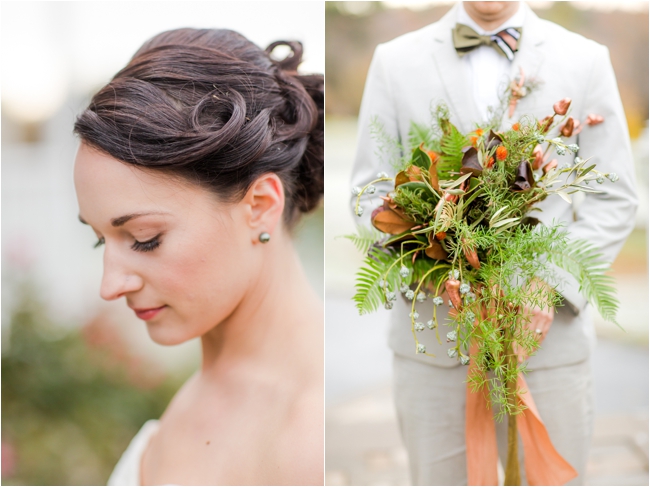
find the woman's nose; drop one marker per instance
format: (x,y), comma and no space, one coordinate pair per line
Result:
(118,278)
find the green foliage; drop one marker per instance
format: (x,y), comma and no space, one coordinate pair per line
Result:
(364,238)
(369,295)
(69,410)
(419,203)
(479,226)
(419,134)
(388,147)
(451,145)
(583,262)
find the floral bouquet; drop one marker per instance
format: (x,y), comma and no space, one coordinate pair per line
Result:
(459,228)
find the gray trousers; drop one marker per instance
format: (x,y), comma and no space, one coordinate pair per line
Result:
(430,403)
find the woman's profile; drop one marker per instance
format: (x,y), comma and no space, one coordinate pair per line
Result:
(195,162)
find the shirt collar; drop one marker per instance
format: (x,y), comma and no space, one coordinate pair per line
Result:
(517,20)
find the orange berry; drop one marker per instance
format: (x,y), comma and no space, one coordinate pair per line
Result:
(473,140)
(502,153)
(490,163)
(433,156)
(515,127)
(478,132)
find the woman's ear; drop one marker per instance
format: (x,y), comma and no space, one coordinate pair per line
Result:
(265,201)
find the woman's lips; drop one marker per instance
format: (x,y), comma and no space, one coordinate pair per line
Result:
(148,314)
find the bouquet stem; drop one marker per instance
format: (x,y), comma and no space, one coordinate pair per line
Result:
(512,473)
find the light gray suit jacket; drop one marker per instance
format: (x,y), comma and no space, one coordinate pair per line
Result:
(414,72)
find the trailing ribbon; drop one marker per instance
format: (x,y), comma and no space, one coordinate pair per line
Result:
(544,465)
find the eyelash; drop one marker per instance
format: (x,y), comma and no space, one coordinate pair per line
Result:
(147,246)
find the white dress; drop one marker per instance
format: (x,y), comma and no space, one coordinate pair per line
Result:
(127,470)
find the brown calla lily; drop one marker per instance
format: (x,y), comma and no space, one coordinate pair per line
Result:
(471,255)
(390,221)
(539,157)
(550,165)
(472,258)
(435,250)
(524,179)
(470,162)
(567,128)
(494,140)
(452,286)
(530,220)
(577,127)
(545,123)
(562,106)
(594,119)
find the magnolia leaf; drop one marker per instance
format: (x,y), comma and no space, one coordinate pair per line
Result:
(420,158)
(401,178)
(435,250)
(433,173)
(388,221)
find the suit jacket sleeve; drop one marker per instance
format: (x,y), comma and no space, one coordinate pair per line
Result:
(605,219)
(373,153)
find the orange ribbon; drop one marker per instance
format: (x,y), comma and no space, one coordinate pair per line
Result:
(544,465)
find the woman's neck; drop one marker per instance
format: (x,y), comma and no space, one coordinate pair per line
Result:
(278,325)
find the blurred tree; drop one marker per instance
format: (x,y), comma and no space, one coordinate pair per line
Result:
(71,400)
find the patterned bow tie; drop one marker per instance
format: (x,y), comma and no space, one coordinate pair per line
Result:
(505,42)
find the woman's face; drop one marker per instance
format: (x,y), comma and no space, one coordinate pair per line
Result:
(181,258)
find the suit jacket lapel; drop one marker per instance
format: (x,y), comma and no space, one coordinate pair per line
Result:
(529,57)
(453,74)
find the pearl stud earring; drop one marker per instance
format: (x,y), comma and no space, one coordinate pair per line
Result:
(264,237)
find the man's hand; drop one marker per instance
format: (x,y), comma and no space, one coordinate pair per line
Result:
(540,317)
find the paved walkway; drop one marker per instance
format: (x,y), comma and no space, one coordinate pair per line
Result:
(363,445)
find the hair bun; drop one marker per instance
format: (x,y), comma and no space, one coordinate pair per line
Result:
(293,60)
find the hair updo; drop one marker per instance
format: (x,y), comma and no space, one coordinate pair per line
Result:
(212,107)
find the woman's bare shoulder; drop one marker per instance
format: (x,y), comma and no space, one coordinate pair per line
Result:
(303,445)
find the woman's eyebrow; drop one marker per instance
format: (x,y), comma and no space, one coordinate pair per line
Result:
(118,222)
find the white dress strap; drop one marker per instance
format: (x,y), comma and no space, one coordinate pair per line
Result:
(127,470)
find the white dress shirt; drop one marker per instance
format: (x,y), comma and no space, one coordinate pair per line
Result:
(488,70)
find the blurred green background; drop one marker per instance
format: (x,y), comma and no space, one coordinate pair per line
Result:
(81,376)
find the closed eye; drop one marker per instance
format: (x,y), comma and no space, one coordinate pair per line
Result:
(147,246)
(99,243)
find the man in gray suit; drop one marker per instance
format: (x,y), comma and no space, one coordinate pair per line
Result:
(417,70)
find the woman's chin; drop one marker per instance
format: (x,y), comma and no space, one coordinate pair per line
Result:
(165,335)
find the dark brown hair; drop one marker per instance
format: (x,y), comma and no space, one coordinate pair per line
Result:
(212,107)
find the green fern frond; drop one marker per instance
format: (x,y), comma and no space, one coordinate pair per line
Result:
(580,259)
(369,295)
(364,238)
(420,133)
(451,157)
